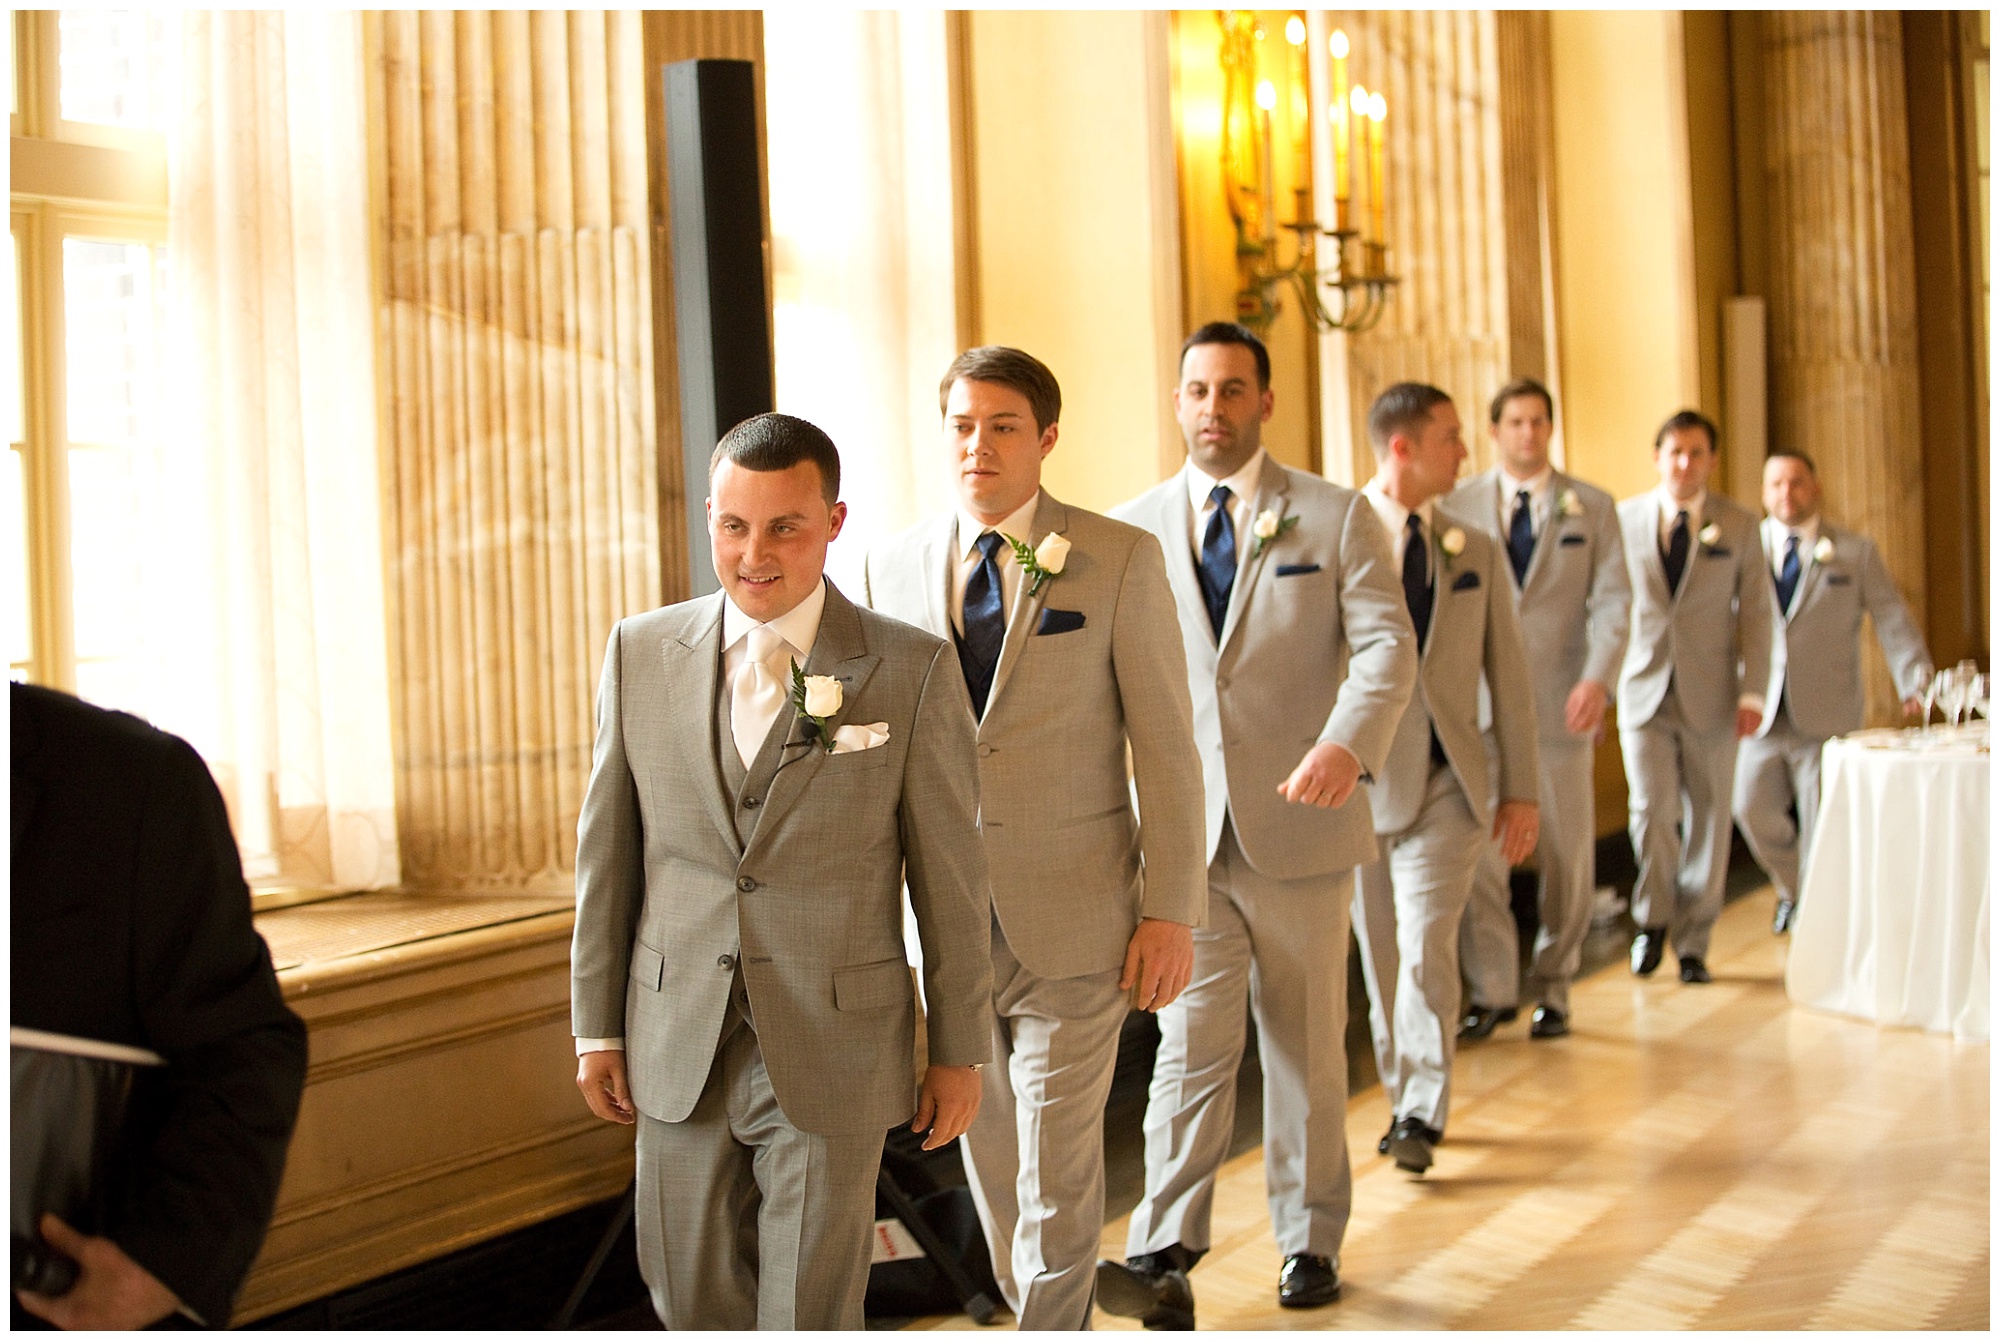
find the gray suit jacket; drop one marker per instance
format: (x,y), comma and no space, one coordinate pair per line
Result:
(1576,602)
(1473,633)
(1817,666)
(670,903)
(1316,647)
(1090,666)
(1709,639)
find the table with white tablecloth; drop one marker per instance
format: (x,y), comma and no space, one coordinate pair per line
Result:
(1892,923)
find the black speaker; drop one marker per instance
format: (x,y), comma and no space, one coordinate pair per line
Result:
(721,326)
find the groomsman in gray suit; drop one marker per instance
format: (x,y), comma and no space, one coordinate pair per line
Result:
(1064,627)
(739,985)
(1825,578)
(1567,571)
(1691,687)
(1300,661)
(1435,801)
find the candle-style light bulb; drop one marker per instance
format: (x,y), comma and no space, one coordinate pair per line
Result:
(1336,45)
(1359,101)
(1378,108)
(1336,115)
(1295,31)
(1267,96)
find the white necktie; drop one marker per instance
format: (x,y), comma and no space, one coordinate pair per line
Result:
(756,695)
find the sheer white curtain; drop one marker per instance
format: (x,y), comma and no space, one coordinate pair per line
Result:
(269,615)
(857,106)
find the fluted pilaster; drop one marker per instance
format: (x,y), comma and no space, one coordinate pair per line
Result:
(1843,313)
(522,495)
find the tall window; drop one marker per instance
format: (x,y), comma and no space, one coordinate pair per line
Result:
(91,93)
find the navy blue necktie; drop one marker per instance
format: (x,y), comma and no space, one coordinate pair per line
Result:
(1521,539)
(1676,555)
(1788,574)
(1218,559)
(1416,580)
(985,623)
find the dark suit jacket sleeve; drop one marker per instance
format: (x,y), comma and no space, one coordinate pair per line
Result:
(610,869)
(1150,662)
(944,866)
(1902,642)
(210,1129)
(1382,646)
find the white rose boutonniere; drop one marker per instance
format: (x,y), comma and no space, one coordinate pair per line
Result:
(816,697)
(1711,534)
(1041,563)
(1823,551)
(1451,543)
(1268,527)
(1569,504)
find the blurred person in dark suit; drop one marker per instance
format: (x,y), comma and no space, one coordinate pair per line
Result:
(131,927)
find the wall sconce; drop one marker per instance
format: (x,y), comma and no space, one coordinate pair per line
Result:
(1348,291)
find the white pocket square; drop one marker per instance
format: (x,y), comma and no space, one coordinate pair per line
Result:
(849,739)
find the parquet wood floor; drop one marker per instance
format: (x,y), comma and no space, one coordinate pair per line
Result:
(1690,1157)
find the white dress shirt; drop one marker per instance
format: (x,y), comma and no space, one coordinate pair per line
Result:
(1670,507)
(1242,497)
(798,629)
(1019,525)
(1395,520)
(1775,532)
(1537,486)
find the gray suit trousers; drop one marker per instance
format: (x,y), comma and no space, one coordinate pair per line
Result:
(1774,772)
(1566,852)
(745,1221)
(1280,945)
(1407,907)
(1680,781)
(1035,1153)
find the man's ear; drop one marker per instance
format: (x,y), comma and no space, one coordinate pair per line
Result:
(836,518)
(1049,439)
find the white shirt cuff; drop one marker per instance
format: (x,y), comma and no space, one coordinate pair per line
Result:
(1754,702)
(584,1045)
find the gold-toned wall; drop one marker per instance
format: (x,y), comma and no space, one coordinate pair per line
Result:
(1072,183)
(1624,238)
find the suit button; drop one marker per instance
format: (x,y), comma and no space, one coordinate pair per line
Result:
(1222,682)
(751,803)
(984,749)
(746,884)
(726,961)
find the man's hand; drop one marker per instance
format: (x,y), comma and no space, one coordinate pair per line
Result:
(1913,706)
(1747,722)
(1516,825)
(112,1293)
(947,1103)
(601,1077)
(1324,778)
(1583,712)
(1160,960)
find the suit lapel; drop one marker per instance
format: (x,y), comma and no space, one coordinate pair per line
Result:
(1809,567)
(841,651)
(1179,546)
(1050,517)
(934,561)
(1272,485)
(1551,535)
(694,657)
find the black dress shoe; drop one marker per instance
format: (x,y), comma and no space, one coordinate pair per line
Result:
(1693,970)
(1151,1287)
(1548,1023)
(1647,947)
(1307,1280)
(1431,1134)
(1481,1021)
(1410,1145)
(1781,921)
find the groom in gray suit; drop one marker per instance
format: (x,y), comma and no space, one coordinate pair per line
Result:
(1300,661)
(738,977)
(1691,687)
(1567,572)
(1064,627)
(1436,802)
(1824,578)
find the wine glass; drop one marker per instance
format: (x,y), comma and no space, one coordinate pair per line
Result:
(1933,695)
(1957,686)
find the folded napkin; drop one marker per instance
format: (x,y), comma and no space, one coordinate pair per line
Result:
(848,739)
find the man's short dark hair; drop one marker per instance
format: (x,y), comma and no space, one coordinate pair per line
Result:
(1232,333)
(1686,419)
(1792,453)
(1404,408)
(779,442)
(1514,390)
(1013,369)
